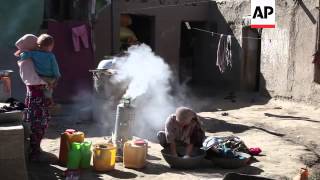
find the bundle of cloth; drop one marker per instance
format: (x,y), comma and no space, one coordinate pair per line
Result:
(14,105)
(226,147)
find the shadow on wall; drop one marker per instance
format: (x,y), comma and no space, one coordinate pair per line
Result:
(207,81)
(263,87)
(204,69)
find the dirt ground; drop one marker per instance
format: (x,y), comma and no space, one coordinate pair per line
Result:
(287,132)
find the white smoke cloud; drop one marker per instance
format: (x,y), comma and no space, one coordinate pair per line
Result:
(146,78)
(144,70)
(149,85)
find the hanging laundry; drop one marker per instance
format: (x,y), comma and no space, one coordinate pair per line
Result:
(73,65)
(80,32)
(224,54)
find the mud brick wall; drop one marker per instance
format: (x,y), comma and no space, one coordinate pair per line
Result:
(12,153)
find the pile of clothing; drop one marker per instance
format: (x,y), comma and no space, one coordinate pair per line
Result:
(226,147)
(14,105)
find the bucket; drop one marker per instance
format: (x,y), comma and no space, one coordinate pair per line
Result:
(104,157)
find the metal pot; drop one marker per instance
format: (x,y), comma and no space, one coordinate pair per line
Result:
(5,73)
(179,162)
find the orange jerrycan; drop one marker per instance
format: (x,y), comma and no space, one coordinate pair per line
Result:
(104,157)
(66,139)
(64,145)
(77,136)
(135,154)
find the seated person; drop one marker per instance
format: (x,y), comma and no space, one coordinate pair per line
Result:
(182,128)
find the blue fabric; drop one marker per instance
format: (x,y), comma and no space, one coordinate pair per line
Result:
(45,63)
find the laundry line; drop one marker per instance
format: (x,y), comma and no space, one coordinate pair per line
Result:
(187,24)
(218,34)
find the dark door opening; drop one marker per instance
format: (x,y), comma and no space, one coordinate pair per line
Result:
(250,76)
(193,61)
(144,28)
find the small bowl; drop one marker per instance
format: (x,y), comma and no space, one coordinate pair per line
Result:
(179,162)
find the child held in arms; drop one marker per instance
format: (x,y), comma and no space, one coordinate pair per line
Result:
(45,64)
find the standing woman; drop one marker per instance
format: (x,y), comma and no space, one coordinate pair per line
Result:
(36,115)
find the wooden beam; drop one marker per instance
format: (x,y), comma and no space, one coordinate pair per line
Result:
(115,26)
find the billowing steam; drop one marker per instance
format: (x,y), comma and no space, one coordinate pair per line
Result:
(146,79)
(149,86)
(144,69)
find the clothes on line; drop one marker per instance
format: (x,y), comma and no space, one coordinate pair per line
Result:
(224,54)
(72,63)
(80,32)
(219,34)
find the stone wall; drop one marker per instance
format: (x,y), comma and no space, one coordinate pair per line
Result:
(287,51)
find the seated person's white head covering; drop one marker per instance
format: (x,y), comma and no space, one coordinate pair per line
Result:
(185,115)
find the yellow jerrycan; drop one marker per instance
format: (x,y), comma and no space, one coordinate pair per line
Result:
(104,157)
(135,154)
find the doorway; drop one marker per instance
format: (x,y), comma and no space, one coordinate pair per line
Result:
(144,28)
(250,76)
(197,55)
